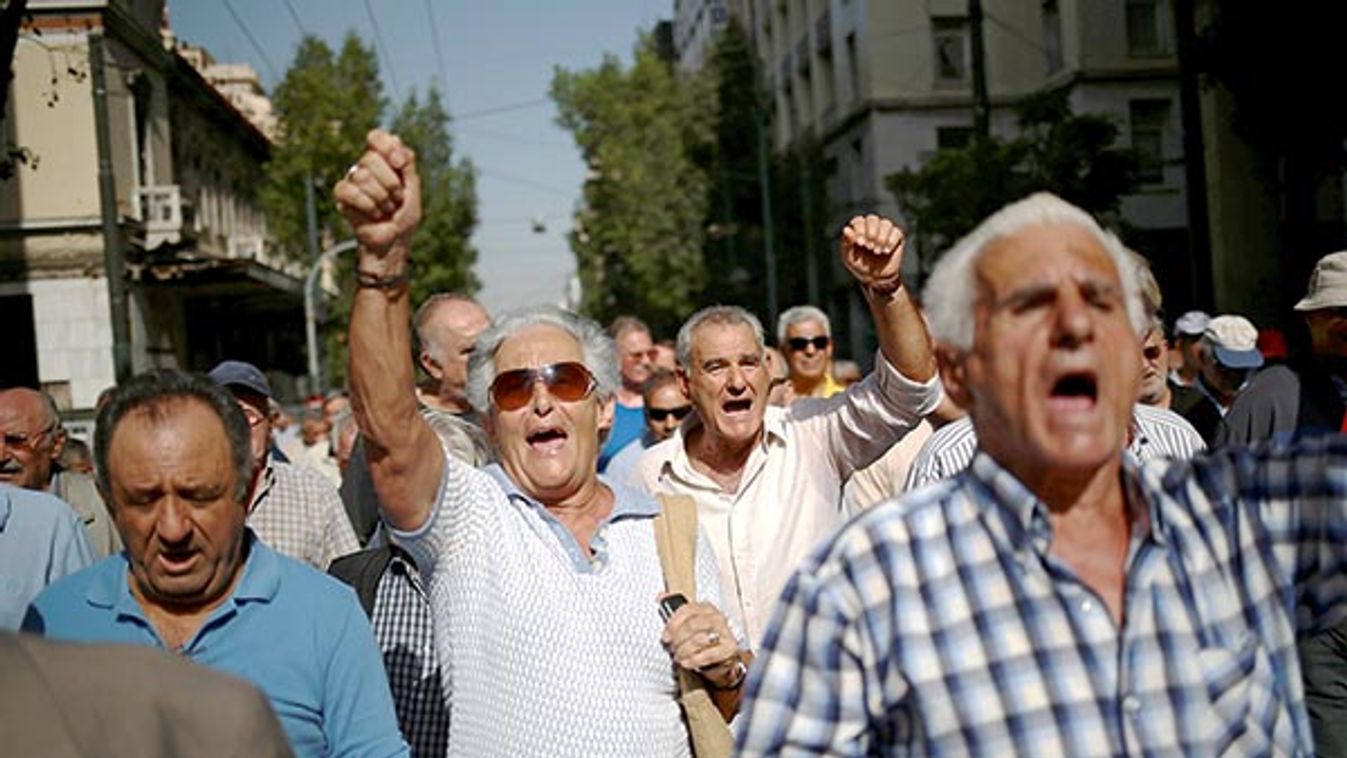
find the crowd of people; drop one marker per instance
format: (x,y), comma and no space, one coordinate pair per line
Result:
(1048,521)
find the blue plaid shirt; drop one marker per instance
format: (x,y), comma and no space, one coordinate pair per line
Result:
(940,624)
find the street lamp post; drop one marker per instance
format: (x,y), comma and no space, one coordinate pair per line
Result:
(310,309)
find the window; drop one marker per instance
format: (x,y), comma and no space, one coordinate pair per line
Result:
(1052,37)
(1147,27)
(1149,118)
(950,39)
(953,137)
(857,170)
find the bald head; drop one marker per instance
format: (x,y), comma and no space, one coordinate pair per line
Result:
(447,327)
(32,438)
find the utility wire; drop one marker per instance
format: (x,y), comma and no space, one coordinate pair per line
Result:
(379,42)
(298,24)
(1013,32)
(435,41)
(251,39)
(525,182)
(503,109)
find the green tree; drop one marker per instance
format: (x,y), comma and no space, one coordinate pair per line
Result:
(325,105)
(444,255)
(1057,151)
(646,135)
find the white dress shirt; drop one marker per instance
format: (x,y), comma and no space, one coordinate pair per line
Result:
(790,493)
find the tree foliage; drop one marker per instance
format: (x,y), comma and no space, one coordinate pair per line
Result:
(443,252)
(325,105)
(1057,151)
(646,137)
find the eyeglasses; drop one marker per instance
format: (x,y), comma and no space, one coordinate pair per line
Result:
(567,382)
(1152,353)
(29,441)
(800,343)
(660,414)
(254,416)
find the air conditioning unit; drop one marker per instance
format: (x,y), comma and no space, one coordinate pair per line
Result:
(161,214)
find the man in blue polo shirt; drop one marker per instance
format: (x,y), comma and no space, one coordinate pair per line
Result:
(173,462)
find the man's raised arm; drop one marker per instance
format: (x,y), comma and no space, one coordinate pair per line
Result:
(872,250)
(381,197)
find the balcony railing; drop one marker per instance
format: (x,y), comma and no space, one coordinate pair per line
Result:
(251,247)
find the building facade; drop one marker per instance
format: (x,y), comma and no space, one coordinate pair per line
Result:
(146,166)
(881,86)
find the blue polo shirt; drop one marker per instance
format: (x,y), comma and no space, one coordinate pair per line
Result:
(298,635)
(41,540)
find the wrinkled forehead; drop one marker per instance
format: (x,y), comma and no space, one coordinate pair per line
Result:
(724,340)
(537,345)
(1043,255)
(22,411)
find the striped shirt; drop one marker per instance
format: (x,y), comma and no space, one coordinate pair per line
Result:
(1156,434)
(940,624)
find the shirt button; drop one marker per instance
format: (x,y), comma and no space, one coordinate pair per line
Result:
(1086,606)
(1132,704)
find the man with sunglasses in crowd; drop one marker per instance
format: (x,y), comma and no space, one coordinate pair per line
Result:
(804,333)
(33,440)
(544,579)
(635,355)
(292,508)
(665,408)
(768,480)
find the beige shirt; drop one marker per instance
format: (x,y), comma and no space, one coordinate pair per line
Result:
(790,493)
(884,478)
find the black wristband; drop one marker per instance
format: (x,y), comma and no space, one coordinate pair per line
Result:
(367,280)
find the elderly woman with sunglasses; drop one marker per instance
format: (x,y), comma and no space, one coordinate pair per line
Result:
(544,579)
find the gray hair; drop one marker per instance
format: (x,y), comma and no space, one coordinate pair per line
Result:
(798,315)
(599,350)
(724,315)
(151,393)
(950,292)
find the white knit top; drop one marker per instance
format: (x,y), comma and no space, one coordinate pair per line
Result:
(546,653)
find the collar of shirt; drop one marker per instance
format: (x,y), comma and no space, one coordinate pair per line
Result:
(1023,518)
(260,582)
(628,503)
(264,484)
(678,464)
(5,507)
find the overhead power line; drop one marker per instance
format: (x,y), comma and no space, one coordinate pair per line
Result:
(526,182)
(298,24)
(383,51)
(503,109)
(251,40)
(435,42)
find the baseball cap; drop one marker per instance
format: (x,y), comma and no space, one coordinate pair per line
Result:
(1192,323)
(240,374)
(1234,340)
(1328,284)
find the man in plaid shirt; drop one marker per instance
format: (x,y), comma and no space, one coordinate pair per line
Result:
(1056,598)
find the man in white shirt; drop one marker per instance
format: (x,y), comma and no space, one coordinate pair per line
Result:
(768,480)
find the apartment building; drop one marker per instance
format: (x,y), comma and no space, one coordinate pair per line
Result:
(143,165)
(695,26)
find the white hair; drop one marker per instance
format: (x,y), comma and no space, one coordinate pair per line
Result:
(798,315)
(598,350)
(724,315)
(950,292)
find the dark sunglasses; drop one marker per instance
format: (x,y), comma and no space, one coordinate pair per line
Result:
(659,414)
(800,343)
(567,382)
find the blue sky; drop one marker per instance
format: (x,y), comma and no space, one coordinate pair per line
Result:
(496,53)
